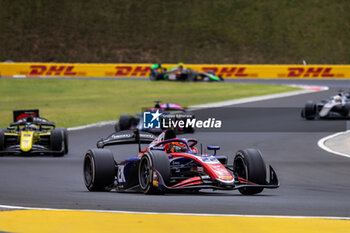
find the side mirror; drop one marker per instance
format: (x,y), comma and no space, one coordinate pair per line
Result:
(11,128)
(100,144)
(214,148)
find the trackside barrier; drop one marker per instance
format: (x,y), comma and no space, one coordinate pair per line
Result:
(142,70)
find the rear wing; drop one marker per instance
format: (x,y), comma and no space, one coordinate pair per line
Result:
(127,137)
(20,114)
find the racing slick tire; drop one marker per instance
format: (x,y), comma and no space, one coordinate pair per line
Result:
(206,79)
(125,122)
(189,130)
(159,161)
(56,142)
(116,127)
(309,110)
(2,139)
(99,169)
(155,75)
(65,139)
(192,76)
(347,109)
(250,165)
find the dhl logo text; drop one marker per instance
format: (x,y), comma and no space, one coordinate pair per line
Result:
(312,72)
(229,71)
(36,70)
(132,71)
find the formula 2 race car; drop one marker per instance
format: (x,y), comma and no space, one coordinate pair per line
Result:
(336,107)
(173,164)
(171,110)
(31,134)
(181,74)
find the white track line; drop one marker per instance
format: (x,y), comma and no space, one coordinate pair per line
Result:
(322,141)
(186,214)
(98,124)
(251,99)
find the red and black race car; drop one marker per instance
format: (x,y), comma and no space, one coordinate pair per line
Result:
(170,164)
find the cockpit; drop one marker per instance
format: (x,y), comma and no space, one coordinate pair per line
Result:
(168,140)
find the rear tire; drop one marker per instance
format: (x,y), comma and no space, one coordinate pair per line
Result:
(310,110)
(56,142)
(154,75)
(157,160)
(189,130)
(125,122)
(250,165)
(347,109)
(116,127)
(99,169)
(192,76)
(2,139)
(206,79)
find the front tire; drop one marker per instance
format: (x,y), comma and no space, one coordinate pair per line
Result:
(157,160)
(65,139)
(56,142)
(250,165)
(99,169)
(310,110)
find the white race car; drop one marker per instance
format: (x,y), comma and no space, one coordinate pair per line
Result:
(336,107)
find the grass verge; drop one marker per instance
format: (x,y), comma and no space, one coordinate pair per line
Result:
(78,102)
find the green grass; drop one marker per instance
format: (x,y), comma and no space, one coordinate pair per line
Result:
(78,102)
(198,31)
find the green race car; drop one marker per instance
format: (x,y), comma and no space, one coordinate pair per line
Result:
(179,73)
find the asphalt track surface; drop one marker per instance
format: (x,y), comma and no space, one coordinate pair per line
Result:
(313,182)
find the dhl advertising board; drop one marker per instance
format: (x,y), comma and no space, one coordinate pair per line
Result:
(142,70)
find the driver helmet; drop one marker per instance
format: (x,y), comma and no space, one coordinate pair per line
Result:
(31,127)
(156,66)
(180,65)
(337,99)
(176,147)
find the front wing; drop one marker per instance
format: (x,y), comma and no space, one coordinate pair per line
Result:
(36,149)
(206,182)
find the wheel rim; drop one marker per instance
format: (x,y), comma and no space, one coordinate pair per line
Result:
(241,168)
(144,173)
(88,171)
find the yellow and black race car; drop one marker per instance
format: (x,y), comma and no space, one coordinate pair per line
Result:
(31,134)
